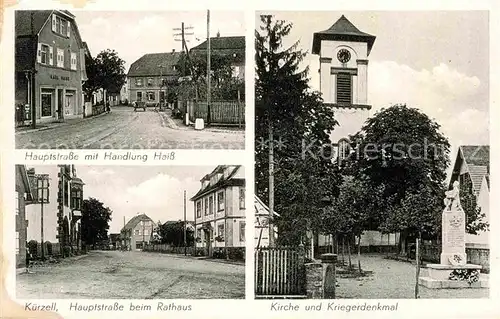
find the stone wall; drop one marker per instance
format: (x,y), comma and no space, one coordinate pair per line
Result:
(314,280)
(479,256)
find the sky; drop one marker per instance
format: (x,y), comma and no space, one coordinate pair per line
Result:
(156,191)
(435,61)
(135,33)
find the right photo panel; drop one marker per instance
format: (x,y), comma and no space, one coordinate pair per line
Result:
(372,158)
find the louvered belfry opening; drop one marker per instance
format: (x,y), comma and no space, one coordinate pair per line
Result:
(344,88)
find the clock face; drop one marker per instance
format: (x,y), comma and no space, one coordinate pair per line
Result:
(344,55)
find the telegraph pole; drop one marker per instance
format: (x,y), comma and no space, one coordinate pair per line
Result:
(271,184)
(185,226)
(33,71)
(208,68)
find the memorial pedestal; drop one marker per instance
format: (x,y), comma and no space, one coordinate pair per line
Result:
(438,277)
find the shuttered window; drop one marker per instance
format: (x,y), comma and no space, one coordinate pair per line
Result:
(344,88)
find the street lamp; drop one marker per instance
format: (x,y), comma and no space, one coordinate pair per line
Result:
(42,188)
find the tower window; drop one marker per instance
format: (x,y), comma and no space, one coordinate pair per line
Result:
(344,88)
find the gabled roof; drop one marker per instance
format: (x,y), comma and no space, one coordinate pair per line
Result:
(21,171)
(222,182)
(342,30)
(23,21)
(155,64)
(477,160)
(220,43)
(262,209)
(136,220)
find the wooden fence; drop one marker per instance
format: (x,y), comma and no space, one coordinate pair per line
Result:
(165,248)
(231,113)
(280,272)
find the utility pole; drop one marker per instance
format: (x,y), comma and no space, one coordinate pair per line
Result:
(143,237)
(42,182)
(208,68)
(33,72)
(185,226)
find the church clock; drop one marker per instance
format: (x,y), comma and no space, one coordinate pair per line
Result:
(344,55)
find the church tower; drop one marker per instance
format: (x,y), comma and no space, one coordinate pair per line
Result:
(343,55)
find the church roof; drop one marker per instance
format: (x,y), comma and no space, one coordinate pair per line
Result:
(342,30)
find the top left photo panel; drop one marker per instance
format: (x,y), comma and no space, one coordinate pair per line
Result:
(129,79)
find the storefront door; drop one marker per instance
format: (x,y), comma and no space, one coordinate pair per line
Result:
(69,105)
(46,103)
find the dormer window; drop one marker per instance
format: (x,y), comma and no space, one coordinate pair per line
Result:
(60,26)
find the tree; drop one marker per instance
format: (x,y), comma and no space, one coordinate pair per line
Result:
(402,150)
(110,68)
(300,125)
(91,85)
(95,221)
(172,233)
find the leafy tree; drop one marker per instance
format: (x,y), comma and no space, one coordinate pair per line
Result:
(301,124)
(402,150)
(95,221)
(110,71)
(475,218)
(172,233)
(91,85)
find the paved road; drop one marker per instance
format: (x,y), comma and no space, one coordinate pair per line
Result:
(133,275)
(125,129)
(393,279)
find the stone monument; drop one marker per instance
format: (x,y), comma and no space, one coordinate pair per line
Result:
(453,270)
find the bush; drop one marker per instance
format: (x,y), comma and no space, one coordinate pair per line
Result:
(236,253)
(33,248)
(66,251)
(48,246)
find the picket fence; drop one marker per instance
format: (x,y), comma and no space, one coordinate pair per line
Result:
(279,272)
(221,112)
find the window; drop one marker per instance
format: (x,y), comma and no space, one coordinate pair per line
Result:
(198,233)
(73,61)
(17,243)
(76,199)
(60,26)
(220,231)
(242,231)
(138,82)
(206,206)
(17,203)
(44,54)
(220,201)
(151,96)
(139,96)
(150,81)
(344,150)
(60,58)
(137,232)
(242,197)
(198,209)
(211,205)
(344,88)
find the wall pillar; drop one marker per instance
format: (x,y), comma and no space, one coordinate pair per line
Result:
(329,275)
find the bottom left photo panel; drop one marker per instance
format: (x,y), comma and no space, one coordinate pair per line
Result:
(130,232)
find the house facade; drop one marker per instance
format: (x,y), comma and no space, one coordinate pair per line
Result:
(23,197)
(151,78)
(219,210)
(472,170)
(62,213)
(51,59)
(138,232)
(261,226)
(233,47)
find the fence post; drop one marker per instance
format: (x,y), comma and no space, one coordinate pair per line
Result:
(329,275)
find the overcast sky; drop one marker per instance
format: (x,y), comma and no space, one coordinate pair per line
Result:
(135,33)
(436,61)
(156,191)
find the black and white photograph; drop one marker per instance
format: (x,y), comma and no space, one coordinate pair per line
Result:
(128,232)
(372,158)
(129,79)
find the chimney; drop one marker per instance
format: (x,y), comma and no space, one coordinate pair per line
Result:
(218,34)
(173,50)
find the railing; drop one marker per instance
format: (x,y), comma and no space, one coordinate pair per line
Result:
(279,271)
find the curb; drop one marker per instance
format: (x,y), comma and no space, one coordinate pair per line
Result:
(50,127)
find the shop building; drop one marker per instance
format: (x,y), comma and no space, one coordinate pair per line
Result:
(23,197)
(49,66)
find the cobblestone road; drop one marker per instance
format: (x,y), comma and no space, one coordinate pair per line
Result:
(393,279)
(125,129)
(133,275)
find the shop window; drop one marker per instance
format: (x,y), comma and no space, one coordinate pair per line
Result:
(198,209)
(151,96)
(220,201)
(139,96)
(242,231)
(46,102)
(242,197)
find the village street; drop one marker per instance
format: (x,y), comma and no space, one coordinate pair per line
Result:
(125,129)
(133,275)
